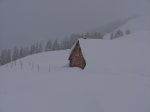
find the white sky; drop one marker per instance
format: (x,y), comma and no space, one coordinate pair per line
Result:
(24,21)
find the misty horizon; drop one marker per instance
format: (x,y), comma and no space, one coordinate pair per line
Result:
(24,22)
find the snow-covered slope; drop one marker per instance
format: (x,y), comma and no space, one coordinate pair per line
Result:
(140,23)
(137,24)
(43,83)
(129,54)
(42,62)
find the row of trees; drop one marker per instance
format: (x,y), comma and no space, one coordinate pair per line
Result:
(8,55)
(119,33)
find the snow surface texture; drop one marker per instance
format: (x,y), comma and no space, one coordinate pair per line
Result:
(129,54)
(134,25)
(44,83)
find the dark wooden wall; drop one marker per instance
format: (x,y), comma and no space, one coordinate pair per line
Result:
(76,58)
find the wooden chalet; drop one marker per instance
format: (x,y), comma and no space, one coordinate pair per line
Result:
(76,57)
(116,55)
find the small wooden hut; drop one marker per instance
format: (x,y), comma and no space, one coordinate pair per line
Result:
(76,57)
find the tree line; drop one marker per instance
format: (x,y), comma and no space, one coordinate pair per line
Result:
(8,55)
(119,33)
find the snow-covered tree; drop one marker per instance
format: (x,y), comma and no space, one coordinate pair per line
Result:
(48,46)
(128,32)
(119,33)
(15,54)
(5,56)
(56,45)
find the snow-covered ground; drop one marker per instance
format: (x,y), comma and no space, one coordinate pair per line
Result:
(42,62)
(44,83)
(73,91)
(129,54)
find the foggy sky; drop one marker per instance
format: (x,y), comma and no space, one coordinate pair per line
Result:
(26,21)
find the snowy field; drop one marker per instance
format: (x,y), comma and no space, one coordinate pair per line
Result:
(118,82)
(64,89)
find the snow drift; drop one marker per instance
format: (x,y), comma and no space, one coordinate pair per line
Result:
(129,54)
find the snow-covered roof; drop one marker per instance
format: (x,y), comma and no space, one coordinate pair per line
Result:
(129,54)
